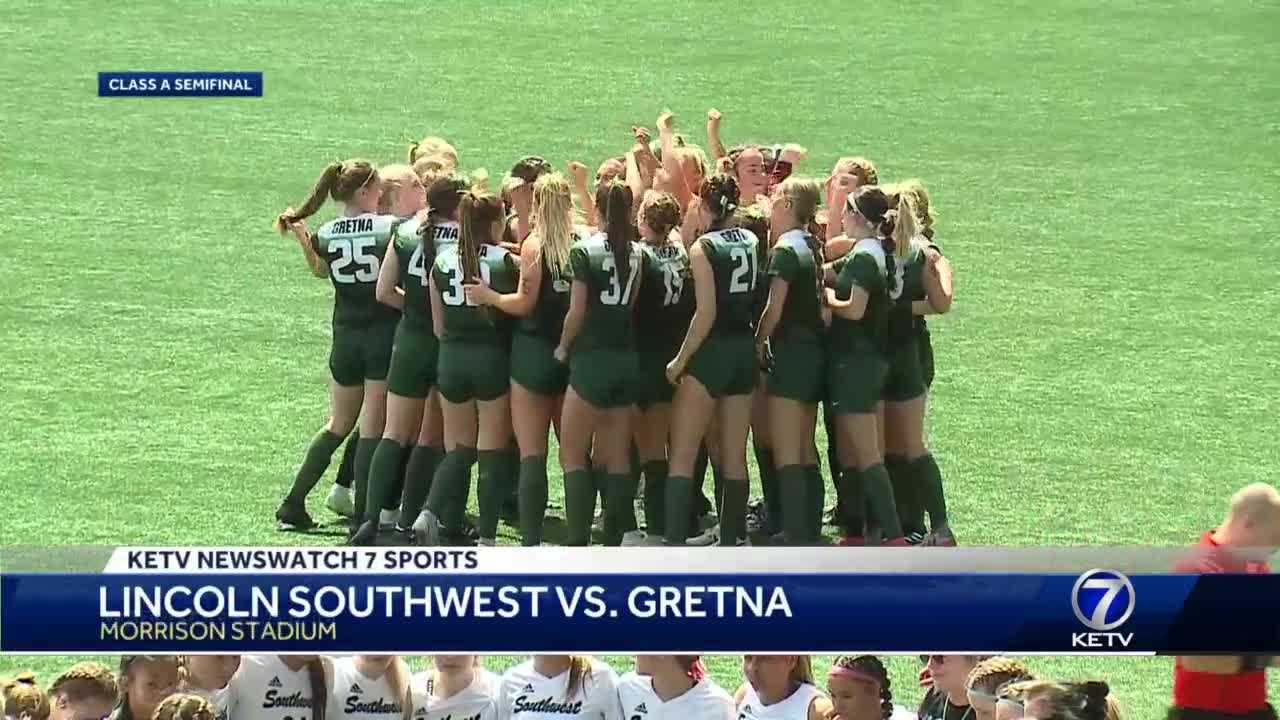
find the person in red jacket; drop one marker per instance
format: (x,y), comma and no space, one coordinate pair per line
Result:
(1223,687)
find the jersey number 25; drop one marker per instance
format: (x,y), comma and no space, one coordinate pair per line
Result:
(353,251)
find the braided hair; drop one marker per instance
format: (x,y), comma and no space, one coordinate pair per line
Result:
(185,706)
(719,194)
(871,666)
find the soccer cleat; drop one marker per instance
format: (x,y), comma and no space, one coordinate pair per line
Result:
(339,501)
(636,538)
(426,529)
(487,542)
(942,537)
(366,534)
(742,542)
(387,519)
(915,537)
(710,536)
(852,541)
(293,518)
(757,517)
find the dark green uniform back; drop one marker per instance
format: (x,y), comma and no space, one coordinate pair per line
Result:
(863,267)
(608,323)
(464,322)
(904,326)
(413,269)
(546,319)
(666,300)
(793,261)
(353,248)
(734,255)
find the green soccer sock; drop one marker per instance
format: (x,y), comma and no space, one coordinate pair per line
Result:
(391,500)
(418,473)
(769,488)
(655,490)
(364,458)
(905,494)
(816,498)
(620,513)
(929,486)
(384,467)
(793,486)
(346,476)
(314,463)
(510,476)
(579,506)
(717,479)
(678,503)
(733,511)
(852,501)
(533,499)
(880,499)
(490,491)
(447,499)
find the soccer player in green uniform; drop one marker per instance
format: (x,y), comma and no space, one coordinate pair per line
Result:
(663,310)
(925,289)
(472,371)
(402,283)
(789,344)
(347,249)
(598,343)
(858,362)
(538,380)
(716,366)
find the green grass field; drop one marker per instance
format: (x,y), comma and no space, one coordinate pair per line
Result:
(1105,175)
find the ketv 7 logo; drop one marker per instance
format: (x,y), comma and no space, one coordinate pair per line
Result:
(1103,600)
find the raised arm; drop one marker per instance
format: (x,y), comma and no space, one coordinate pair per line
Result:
(713,135)
(671,163)
(520,302)
(387,290)
(572,320)
(704,313)
(306,241)
(579,173)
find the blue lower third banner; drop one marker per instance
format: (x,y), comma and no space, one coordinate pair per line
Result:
(1097,612)
(180,84)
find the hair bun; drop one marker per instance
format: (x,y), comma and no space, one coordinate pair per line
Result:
(1095,690)
(26,677)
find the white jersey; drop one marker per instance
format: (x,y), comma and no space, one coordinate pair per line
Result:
(795,707)
(901,713)
(264,688)
(355,696)
(475,702)
(221,700)
(528,695)
(704,701)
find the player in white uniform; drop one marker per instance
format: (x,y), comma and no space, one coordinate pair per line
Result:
(280,687)
(210,676)
(672,687)
(456,688)
(559,687)
(369,687)
(859,690)
(780,687)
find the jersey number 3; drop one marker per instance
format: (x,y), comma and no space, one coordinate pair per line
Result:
(616,294)
(453,294)
(353,251)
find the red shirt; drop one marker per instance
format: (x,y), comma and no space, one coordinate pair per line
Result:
(1240,692)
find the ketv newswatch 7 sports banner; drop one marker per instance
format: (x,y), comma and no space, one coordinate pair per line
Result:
(524,600)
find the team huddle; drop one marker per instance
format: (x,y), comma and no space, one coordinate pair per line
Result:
(543,687)
(679,308)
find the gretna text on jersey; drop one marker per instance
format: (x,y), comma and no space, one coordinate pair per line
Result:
(350,226)
(264,602)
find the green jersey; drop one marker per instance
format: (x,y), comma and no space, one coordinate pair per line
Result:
(735,261)
(863,267)
(793,261)
(353,248)
(666,299)
(904,326)
(546,319)
(413,268)
(610,290)
(464,321)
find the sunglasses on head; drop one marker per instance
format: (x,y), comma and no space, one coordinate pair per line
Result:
(939,659)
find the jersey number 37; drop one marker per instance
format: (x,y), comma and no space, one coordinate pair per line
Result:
(353,252)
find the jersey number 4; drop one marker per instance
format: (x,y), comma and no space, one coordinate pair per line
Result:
(353,251)
(453,294)
(418,265)
(616,294)
(743,278)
